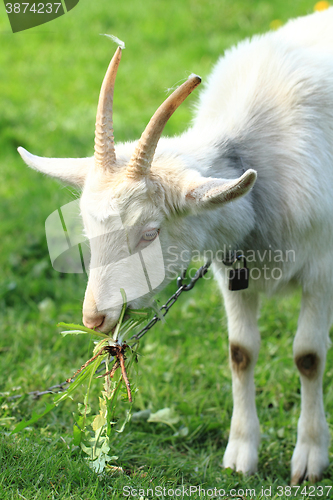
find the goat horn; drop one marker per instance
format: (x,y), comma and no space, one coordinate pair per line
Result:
(105,155)
(142,158)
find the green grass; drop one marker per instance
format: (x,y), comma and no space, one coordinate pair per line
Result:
(49,83)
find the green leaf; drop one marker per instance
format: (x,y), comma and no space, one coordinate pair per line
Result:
(79,419)
(35,417)
(99,421)
(98,465)
(72,332)
(138,312)
(83,329)
(105,446)
(89,450)
(88,371)
(165,416)
(182,432)
(77,435)
(127,419)
(121,317)
(84,409)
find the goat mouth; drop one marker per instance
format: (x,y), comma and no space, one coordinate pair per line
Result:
(111,332)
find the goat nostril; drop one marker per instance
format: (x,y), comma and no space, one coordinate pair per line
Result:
(93,322)
(101,322)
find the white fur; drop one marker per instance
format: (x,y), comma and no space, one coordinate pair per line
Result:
(267,107)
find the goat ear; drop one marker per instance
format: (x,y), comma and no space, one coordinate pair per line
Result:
(69,170)
(210,192)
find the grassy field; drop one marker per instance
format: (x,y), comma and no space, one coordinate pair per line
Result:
(50,78)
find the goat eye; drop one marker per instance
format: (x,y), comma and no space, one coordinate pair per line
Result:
(150,235)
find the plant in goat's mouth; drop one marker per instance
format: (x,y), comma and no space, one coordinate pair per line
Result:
(93,432)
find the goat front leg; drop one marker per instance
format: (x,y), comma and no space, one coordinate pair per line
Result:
(310,457)
(244,341)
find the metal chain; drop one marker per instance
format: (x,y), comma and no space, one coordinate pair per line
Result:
(167,306)
(182,287)
(37,394)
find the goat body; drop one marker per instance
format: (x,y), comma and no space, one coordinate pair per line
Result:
(254,174)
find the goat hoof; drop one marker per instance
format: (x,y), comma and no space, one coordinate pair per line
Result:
(241,457)
(308,463)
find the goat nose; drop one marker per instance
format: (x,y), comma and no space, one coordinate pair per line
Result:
(93,321)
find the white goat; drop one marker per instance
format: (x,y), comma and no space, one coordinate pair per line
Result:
(268,107)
